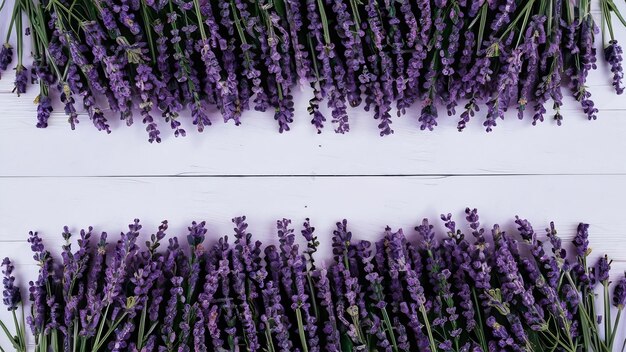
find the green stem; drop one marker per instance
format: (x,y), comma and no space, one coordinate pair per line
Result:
(101,325)
(313,298)
(480,334)
(583,9)
(270,342)
(550,19)
(44,343)
(526,8)
(389,327)
(142,325)
(83,344)
(55,340)
(20,36)
(615,10)
(152,327)
(16,9)
(9,335)
(428,329)
(607,312)
(519,39)
(196,5)
(75,340)
(324,21)
(305,348)
(56,3)
(110,331)
(24,327)
(584,326)
(18,331)
(617,318)
(481,29)
(149,29)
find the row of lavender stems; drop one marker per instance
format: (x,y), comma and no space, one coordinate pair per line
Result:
(416,292)
(159,57)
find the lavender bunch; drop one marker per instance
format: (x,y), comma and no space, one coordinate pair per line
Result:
(494,291)
(188,59)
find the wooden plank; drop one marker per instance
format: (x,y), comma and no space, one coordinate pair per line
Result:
(256,148)
(370,203)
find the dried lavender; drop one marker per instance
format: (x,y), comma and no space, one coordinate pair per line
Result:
(232,55)
(11,296)
(613,55)
(395,294)
(6,56)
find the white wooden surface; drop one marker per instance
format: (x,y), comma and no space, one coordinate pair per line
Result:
(55,176)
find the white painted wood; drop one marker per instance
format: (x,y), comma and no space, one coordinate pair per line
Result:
(369,203)
(256,148)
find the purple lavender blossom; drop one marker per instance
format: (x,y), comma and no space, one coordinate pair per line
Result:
(588,62)
(428,116)
(619,293)
(323,289)
(613,55)
(147,83)
(502,16)
(284,113)
(44,109)
(604,267)
(167,329)
(126,248)
(11,293)
(581,240)
(388,295)
(273,319)
(21,80)
(6,56)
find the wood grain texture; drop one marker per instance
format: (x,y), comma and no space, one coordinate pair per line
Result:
(256,148)
(369,203)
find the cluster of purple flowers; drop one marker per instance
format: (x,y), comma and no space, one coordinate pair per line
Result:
(463,291)
(228,56)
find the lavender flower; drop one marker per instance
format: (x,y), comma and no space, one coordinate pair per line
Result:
(604,267)
(167,330)
(6,56)
(226,55)
(588,62)
(613,55)
(126,248)
(147,83)
(500,332)
(323,288)
(44,109)
(395,294)
(619,293)
(21,79)
(428,116)
(11,294)
(581,240)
